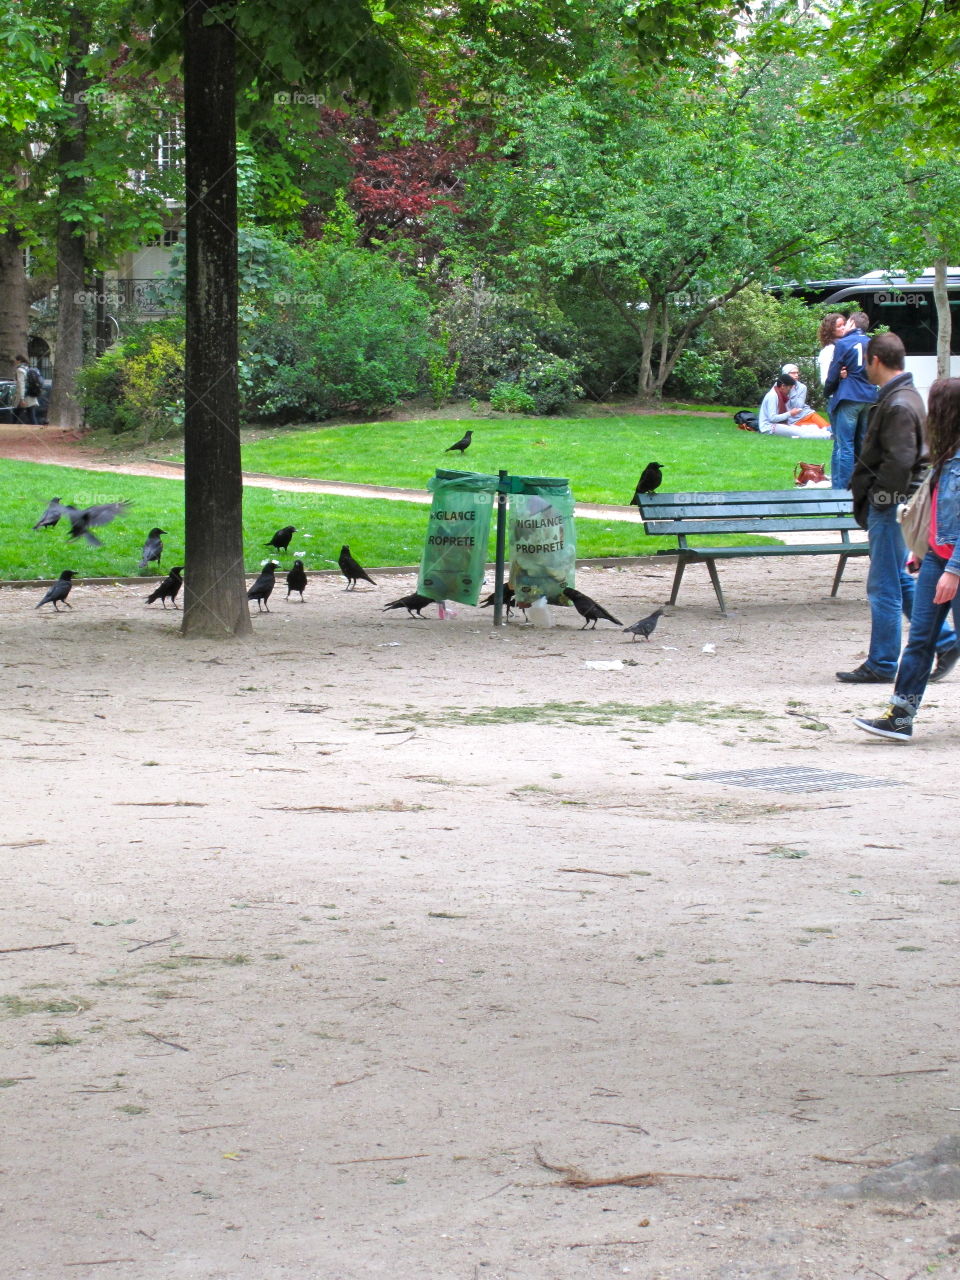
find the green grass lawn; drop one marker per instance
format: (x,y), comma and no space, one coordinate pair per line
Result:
(602,457)
(379,532)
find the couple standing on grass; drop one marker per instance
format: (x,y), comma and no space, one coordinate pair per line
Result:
(900,439)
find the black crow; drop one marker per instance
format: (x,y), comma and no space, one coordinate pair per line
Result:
(59,591)
(508,599)
(462,445)
(51,516)
(649,482)
(296,579)
(588,609)
(81,522)
(412,603)
(169,588)
(261,589)
(152,548)
(281,539)
(646,626)
(351,570)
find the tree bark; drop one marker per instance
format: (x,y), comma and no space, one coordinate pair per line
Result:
(65,410)
(13,301)
(215,603)
(941,300)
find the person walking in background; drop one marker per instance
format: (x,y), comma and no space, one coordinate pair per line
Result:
(27,402)
(939,576)
(831,327)
(849,399)
(888,470)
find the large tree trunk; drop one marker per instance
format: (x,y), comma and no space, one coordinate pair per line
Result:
(13,301)
(64,410)
(215,602)
(941,300)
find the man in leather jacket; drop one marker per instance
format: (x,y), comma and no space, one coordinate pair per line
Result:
(890,465)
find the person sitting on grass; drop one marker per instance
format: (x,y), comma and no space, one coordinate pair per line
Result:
(778,419)
(797,399)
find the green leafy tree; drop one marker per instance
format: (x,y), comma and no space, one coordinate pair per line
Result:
(663,200)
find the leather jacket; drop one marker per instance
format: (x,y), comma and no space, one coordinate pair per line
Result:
(893,456)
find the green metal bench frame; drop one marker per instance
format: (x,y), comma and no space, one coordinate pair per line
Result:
(793,511)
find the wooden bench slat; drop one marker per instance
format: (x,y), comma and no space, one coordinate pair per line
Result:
(746,524)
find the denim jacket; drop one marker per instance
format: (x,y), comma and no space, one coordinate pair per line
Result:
(948,510)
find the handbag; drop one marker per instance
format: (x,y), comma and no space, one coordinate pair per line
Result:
(914,517)
(809,473)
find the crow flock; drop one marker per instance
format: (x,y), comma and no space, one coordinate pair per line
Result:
(81,522)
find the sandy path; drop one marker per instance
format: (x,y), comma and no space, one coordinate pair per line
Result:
(342,956)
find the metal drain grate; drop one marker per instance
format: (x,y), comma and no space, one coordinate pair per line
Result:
(793,778)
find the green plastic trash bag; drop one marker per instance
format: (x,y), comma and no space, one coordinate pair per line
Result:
(543,541)
(455,552)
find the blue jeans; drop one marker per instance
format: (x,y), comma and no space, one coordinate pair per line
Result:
(926,629)
(891,593)
(848,422)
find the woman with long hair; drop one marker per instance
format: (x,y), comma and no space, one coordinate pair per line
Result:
(831,327)
(939,576)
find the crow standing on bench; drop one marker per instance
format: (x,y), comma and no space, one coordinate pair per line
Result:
(649,482)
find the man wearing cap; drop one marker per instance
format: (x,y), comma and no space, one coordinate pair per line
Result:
(798,400)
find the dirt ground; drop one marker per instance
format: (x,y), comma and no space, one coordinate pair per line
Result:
(319,949)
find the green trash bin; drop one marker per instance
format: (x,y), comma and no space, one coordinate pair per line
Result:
(455,552)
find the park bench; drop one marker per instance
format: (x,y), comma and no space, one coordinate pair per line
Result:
(800,514)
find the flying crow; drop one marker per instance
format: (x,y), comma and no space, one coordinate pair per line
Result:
(296,579)
(169,588)
(351,570)
(412,603)
(646,626)
(81,522)
(261,589)
(649,482)
(51,516)
(152,548)
(588,609)
(462,445)
(59,591)
(281,539)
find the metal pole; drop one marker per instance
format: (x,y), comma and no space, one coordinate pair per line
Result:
(501,543)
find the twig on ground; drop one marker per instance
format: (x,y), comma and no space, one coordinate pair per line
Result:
(46,946)
(603,1244)
(171,1043)
(620,1124)
(338,1083)
(152,943)
(860,1164)
(589,871)
(576,1178)
(916,1071)
(423,1155)
(818,982)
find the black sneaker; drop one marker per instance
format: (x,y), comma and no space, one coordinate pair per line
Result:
(894,723)
(863,675)
(946,661)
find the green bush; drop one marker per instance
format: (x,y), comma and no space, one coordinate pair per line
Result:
(510,397)
(550,381)
(335,329)
(502,339)
(737,354)
(137,386)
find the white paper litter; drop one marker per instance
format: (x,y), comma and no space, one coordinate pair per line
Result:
(613,664)
(709,648)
